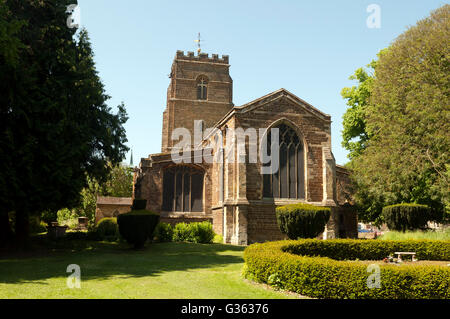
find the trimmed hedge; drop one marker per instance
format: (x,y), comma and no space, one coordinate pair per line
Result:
(350,249)
(302,220)
(402,217)
(137,226)
(323,277)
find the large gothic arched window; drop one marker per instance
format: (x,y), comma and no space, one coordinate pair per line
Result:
(183,189)
(289,180)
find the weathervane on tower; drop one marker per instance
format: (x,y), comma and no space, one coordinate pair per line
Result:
(199,40)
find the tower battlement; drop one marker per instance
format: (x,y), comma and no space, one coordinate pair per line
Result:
(201,57)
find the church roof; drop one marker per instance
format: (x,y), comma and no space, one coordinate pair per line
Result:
(278,94)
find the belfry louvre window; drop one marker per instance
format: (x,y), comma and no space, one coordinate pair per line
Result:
(289,180)
(183,189)
(202,88)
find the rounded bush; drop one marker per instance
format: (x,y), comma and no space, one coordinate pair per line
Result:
(202,233)
(183,232)
(295,269)
(107,229)
(137,226)
(164,232)
(403,217)
(302,220)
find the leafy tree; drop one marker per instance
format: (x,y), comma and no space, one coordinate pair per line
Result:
(118,184)
(407,118)
(56,127)
(354,134)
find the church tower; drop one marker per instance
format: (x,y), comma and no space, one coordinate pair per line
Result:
(200,89)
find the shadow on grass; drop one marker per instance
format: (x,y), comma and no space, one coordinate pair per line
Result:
(101,260)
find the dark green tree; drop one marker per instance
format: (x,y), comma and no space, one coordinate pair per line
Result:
(10,48)
(56,126)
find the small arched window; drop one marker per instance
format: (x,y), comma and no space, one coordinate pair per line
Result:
(183,189)
(202,88)
(289,180)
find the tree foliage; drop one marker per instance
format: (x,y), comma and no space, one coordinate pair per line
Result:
(354,134)
(119,183)
(407,118)
(56,127)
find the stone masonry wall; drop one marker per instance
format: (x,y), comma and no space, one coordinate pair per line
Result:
(315,133)
(149,185)
(183,107)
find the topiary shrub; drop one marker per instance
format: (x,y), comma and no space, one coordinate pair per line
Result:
(202,233)
(137,226)
(139,204)
(403,217)
(107,229)
(302,220)
(163,233)
(183,232)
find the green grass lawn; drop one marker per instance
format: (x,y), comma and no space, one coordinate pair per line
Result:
(110,270)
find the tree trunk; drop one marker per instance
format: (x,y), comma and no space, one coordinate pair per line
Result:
(6,234)
(22,229)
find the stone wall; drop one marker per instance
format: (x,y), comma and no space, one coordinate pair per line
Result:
(112,207)
(217,220)
(262,225)
(343,185)
(348,214)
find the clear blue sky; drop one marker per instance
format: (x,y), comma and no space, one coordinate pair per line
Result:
(307,47)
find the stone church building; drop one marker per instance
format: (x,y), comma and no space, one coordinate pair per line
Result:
(234,195)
